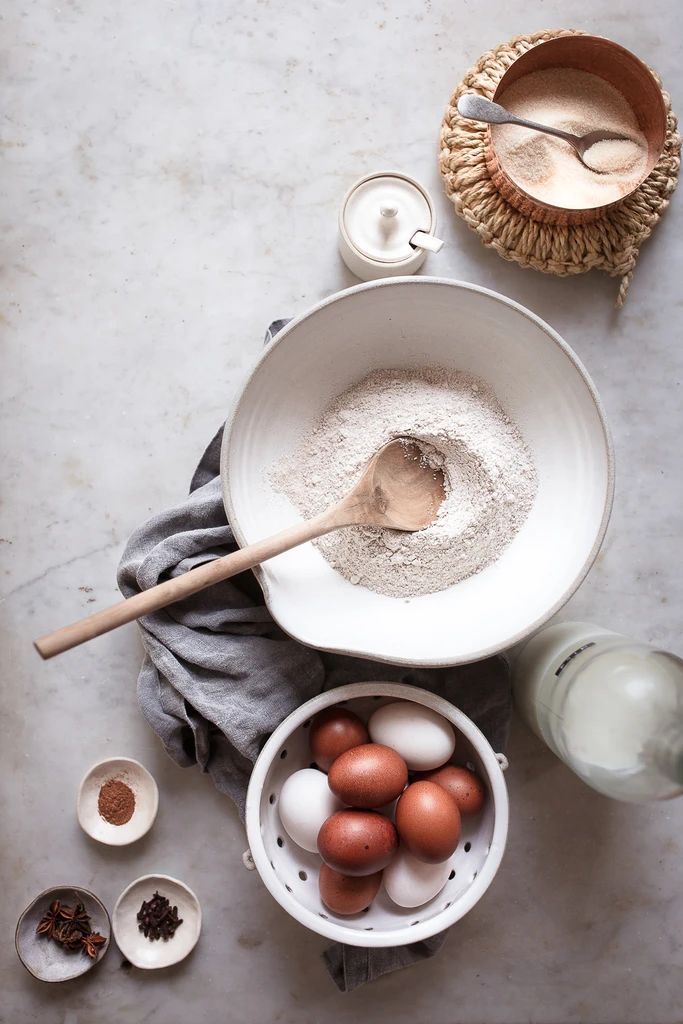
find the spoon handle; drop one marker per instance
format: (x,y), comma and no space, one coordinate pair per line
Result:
(189,583)
(477,108)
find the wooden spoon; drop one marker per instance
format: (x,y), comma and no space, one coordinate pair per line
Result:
(398,490)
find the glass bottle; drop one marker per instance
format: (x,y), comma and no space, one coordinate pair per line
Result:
(611,708)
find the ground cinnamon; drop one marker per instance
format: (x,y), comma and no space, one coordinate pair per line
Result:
(116,802)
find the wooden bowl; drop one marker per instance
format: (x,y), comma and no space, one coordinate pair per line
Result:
(617,66)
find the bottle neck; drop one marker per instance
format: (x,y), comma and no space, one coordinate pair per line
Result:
(666,752)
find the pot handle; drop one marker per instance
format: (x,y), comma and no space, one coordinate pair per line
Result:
(422,240)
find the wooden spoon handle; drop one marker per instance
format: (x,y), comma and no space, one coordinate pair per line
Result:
(183,586)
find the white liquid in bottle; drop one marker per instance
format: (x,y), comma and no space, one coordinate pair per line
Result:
(610,708)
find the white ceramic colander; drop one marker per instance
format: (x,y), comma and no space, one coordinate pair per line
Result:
(291,874)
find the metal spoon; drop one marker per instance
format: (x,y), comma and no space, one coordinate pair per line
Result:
(397,490)
(476,108)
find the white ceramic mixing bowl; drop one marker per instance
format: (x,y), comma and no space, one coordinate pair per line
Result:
(416,322)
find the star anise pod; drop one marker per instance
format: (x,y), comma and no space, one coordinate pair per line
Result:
(91,944)
(50,922)
(73,939)
(81,919)
(69,936)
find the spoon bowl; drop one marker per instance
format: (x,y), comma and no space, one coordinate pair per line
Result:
(586,142)
(399,490)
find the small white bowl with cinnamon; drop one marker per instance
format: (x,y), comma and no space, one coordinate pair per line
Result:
(578,83)
(117,801)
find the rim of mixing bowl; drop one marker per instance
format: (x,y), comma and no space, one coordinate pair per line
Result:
(413,933)
(573,359)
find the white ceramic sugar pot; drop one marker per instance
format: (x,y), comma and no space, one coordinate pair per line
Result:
(387,225)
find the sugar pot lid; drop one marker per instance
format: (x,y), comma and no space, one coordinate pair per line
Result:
(388,217)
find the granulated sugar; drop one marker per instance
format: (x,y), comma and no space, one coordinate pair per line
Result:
(490,478)
(549,168)
(613,156)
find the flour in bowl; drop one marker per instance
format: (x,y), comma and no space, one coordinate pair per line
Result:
(490,477)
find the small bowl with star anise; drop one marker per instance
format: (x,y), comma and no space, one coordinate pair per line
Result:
(62,933)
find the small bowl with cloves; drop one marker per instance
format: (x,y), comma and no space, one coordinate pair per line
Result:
(117,802)
(62,933)
(157,920)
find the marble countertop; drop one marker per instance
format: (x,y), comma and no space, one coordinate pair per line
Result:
(171,183)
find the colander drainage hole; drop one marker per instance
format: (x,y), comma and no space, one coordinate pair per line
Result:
(283,755)
(468,847)
(303,876)
(272,798)
(323,915)
(413,923)
(280,841)
(288,888)
(370,929)
(451,876)
(446,906)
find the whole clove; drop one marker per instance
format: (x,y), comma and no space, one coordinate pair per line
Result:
(157,919)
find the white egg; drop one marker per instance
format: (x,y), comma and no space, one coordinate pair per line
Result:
(424,739)
(410,882)
(306,801)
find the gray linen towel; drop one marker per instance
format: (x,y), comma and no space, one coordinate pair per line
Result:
(219,675)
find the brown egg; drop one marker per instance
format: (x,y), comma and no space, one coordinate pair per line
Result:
(347,894)
(464,786)
(333,731)
(368,776)
(428,822)
(358,842)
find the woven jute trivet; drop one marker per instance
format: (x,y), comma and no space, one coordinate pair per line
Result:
(611,243)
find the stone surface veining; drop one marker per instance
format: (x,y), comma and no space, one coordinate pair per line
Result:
(171,182)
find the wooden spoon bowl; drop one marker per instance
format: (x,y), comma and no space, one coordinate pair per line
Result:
(399,490)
